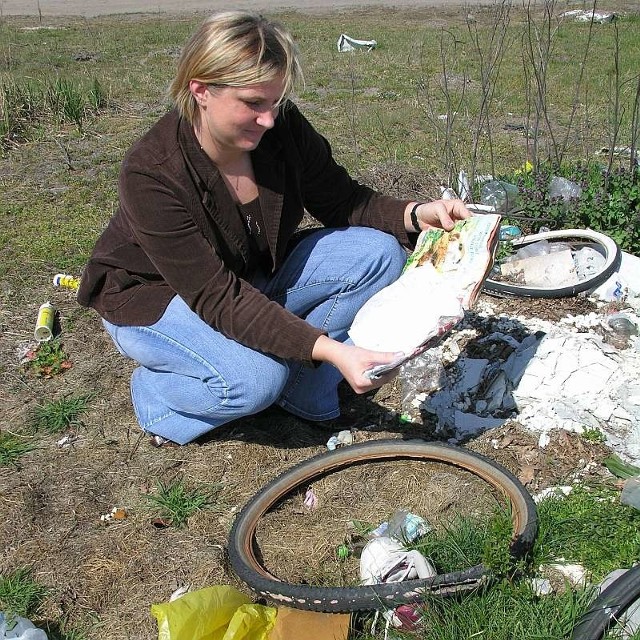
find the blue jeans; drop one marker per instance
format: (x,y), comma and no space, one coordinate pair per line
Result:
(192,378)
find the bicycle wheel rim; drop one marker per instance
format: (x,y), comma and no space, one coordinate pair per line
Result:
(603,244)
(243,551)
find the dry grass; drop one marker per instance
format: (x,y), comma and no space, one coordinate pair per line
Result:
(299,545)
(57,192)
(103,578)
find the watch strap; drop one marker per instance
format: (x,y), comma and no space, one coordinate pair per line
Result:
(414,217)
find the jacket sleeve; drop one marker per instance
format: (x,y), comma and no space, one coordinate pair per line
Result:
(191,267)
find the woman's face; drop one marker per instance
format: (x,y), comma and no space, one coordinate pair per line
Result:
(235,119)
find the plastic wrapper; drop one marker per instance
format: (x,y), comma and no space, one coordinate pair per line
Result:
(18,628)
(407,527)
(500,195)
(563,188)
(419,378)
(386,560)
(441,279)
(214,613)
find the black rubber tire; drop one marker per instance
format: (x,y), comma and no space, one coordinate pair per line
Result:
(609,606)
(586,237)
(244,554)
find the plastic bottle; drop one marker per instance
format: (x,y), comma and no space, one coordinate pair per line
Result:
(500,195)
(44,322)
(66,281)
(407,527)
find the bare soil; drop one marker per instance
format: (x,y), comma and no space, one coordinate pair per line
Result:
(90,8)
(106,575)
(103,575)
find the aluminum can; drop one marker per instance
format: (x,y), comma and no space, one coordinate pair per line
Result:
(44,322)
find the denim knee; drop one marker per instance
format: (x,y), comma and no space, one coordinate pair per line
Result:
(248,392)
(384,251)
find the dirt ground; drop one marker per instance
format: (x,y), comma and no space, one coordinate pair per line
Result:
(89,8)
(102,575)
(106,576)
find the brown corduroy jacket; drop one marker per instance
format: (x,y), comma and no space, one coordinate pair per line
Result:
(177,230)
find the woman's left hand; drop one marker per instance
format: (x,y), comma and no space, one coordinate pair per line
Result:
(438,213)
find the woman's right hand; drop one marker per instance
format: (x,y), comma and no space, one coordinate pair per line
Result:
(353,361)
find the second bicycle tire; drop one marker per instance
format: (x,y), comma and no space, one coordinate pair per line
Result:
(244,554)
(607,609)
(580,237)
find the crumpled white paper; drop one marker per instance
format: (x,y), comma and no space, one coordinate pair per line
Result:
(386,560)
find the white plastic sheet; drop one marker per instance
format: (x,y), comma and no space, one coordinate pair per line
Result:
(347,43)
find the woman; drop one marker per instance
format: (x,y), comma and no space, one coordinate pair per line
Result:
(199,276)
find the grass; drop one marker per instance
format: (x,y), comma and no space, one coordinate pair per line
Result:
(12,448)
(25,105)
(72,100)
(176,502)
(55,416)
(589,527)
(20,594)
(377,107)
(467,542)
(505,611)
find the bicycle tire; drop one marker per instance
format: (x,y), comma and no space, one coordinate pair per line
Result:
(243,548)
(602,243)
(609,606)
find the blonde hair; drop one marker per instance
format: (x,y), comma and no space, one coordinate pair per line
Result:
(235,49)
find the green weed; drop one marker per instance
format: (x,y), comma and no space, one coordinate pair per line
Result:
(66,101)
(609,201)
(470,541)
(12,447)
(96,96)
(57,415)
(619,468)
(593,435)
(458,546)
(20,594)
(19,108)
(590,527)
(48,359)
(24,104)
(66,634)
(504,611)
(177,503)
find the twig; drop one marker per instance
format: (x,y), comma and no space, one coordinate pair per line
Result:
(66,155)
(489,66)
(635,128)
(583,64)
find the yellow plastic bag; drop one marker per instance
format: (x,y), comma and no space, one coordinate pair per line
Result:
(214,613)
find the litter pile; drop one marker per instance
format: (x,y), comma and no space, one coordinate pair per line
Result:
(577,374)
